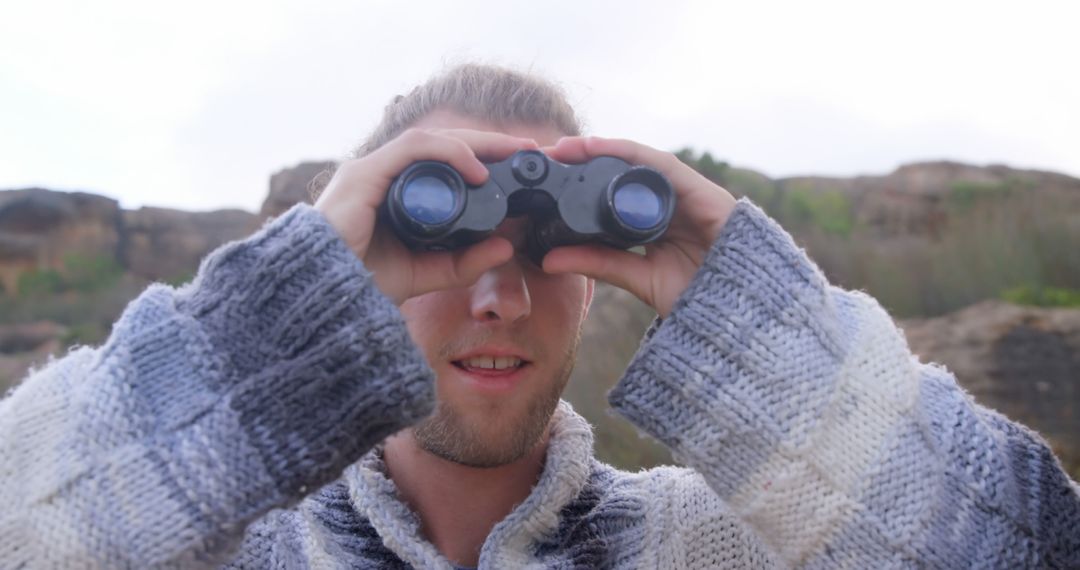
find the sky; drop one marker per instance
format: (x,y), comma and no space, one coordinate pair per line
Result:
(194,105)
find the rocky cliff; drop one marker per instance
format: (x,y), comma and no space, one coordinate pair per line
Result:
(1021,361)
(921,231)
(920,200)
(162,244)
(45,230)
(40,229)
(290,186)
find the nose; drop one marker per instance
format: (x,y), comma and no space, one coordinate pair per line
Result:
(501,295)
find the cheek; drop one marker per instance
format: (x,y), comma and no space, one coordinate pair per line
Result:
(424,316)
(563,299)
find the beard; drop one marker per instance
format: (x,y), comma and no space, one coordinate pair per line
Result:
(497,439)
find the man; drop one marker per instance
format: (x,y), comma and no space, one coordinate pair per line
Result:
(320,396)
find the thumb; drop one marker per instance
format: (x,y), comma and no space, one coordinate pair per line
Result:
(623,269)
(445,270)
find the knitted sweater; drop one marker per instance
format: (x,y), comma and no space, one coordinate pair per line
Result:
(236,422)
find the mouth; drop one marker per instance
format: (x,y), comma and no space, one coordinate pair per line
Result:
(491,372)
(490,364)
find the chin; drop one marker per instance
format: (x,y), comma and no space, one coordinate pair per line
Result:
(480,437)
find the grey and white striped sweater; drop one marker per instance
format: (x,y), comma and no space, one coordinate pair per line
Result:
(236,422)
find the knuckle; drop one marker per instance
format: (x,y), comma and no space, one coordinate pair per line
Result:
(460,147)
(410,133)
(413,135)
(347,168)
(669,161)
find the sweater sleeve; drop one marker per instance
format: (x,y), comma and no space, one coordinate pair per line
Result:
(279,365)
(804,409)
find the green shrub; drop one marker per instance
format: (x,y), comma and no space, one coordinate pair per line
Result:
(88,274)
(80,274)
(828,210)
(709,167)
(753,185)
(1042,296)
(84,334)
(37,282)
(964,194)
(179,279)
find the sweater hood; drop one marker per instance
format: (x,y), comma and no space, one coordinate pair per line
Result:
(566,470)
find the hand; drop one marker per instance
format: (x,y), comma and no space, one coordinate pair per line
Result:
(351,200)
(664,272)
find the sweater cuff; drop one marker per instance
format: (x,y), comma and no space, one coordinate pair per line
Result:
(746,360)
(317,364)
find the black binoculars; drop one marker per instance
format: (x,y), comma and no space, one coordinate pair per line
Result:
(605,200)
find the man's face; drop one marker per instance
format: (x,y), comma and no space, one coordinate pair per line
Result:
(517,318)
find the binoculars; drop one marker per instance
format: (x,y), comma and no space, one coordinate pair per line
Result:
(605,200)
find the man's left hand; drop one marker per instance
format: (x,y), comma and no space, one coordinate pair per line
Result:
(664,272)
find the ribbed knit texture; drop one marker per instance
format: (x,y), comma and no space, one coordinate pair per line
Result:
(262,380)
(235,422)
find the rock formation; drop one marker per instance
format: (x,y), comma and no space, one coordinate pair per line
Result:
(40,228)
(1021,361)
(1024,362)
(914,199)
(290,186)
(163,244)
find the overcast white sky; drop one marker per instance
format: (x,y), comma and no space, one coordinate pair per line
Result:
(194,104)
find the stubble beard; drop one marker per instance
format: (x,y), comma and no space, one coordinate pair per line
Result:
(449,434)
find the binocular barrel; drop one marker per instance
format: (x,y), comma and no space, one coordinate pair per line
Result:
(605,200)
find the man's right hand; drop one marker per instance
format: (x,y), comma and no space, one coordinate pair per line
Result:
(352,198)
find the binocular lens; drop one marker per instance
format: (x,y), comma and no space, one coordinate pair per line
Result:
(638,206)
(429,199)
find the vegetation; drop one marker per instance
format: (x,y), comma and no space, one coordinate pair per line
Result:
(179,279)
(998,241)
(80,274)
(756,186)
(994,240)
(87,295)
(829,211)
(965,194)
(1043,297)
(704,163)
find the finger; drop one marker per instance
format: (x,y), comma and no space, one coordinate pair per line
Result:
(632,152)
(415,145)
(457,147)
(622,269)
(582,149)
(490,146)
(684,179)
(460,268)
(569,150)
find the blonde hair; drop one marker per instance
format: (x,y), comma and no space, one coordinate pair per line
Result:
(495,94)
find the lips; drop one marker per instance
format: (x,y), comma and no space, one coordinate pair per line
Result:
(491,357)
(490,367)
(488,362)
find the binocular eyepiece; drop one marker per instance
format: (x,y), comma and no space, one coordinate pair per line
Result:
(605,200)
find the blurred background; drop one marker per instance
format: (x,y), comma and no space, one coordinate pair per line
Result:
(925,152)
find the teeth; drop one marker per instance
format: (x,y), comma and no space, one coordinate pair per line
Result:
(492,362)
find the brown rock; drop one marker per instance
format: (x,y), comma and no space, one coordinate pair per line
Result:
(291,186)
(40,229)
(1021,361)
(24,346)
(911,201)
(165,244)
(29,337)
